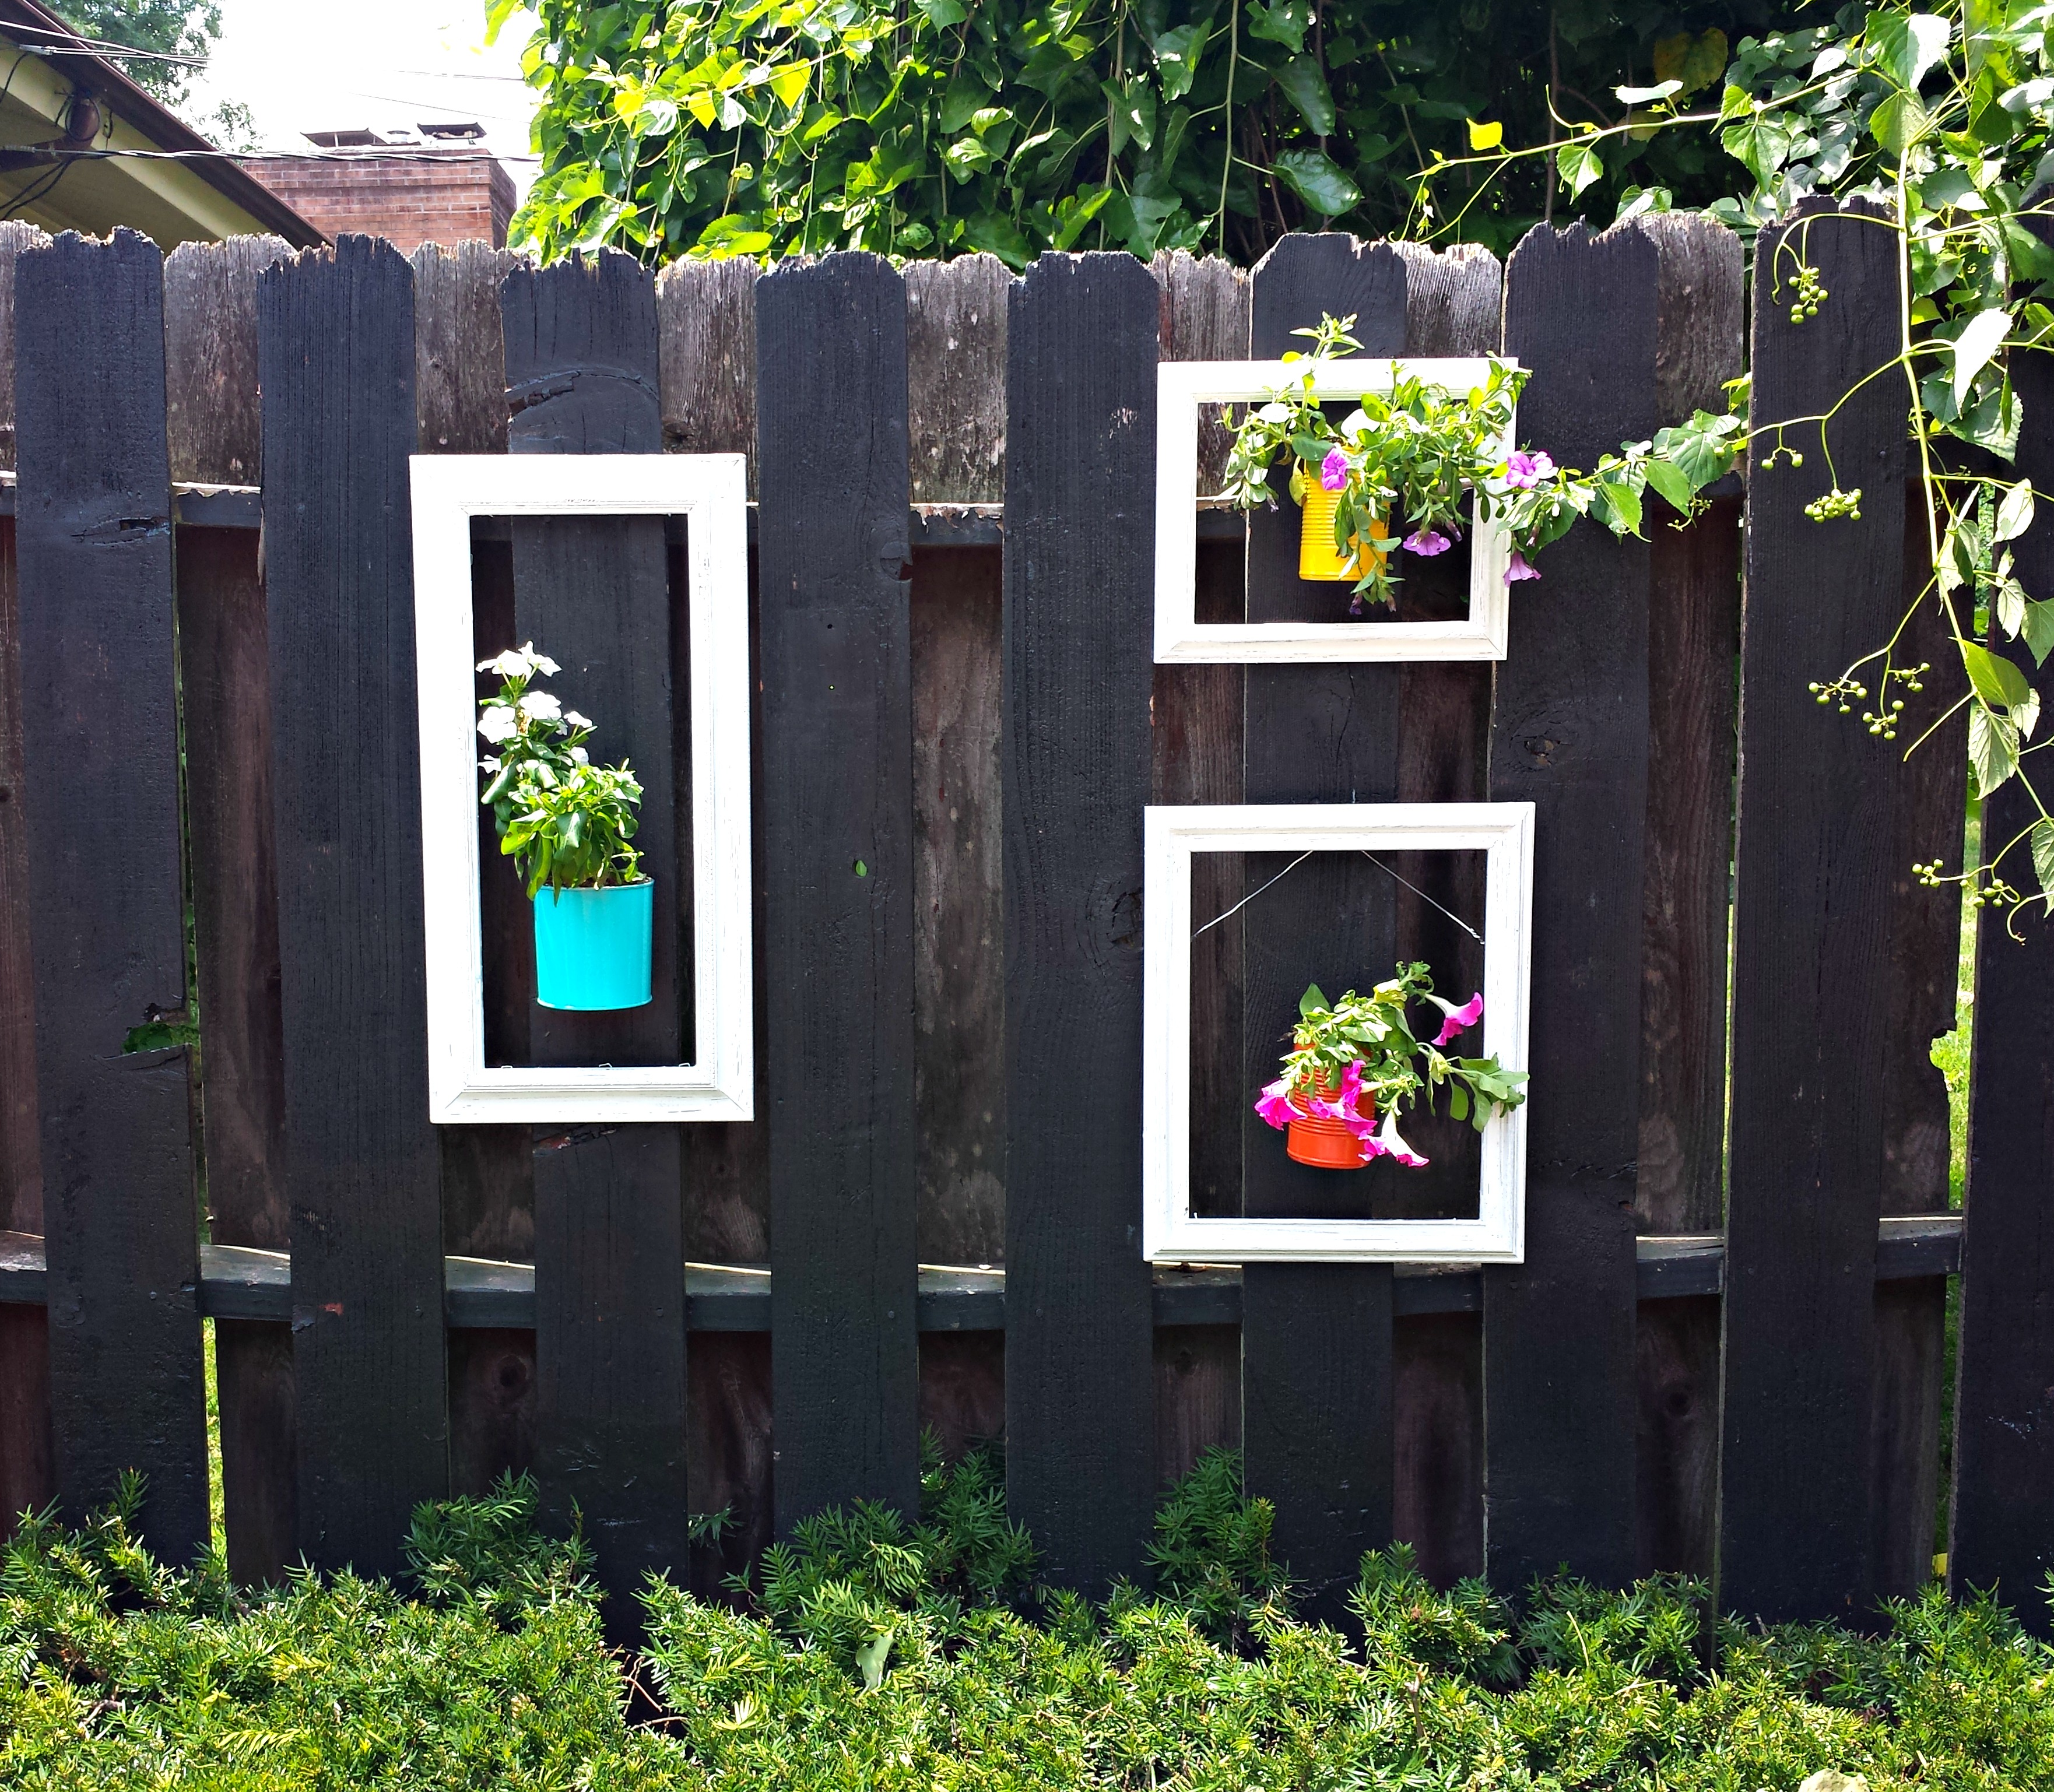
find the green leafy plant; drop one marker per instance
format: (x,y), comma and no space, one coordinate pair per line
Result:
(689,127)
(1420,454)
(1944,119)
(1363,1049)
(563,821)
(119,1670)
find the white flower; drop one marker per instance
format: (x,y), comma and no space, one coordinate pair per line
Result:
(575,720)
(499,723)
(522,662)
(581,756)
(541,703)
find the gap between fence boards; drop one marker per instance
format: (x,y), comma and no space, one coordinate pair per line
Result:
(236,1282)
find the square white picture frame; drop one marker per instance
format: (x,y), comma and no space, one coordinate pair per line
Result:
(710,492)
(1170,1233)
(1181,387)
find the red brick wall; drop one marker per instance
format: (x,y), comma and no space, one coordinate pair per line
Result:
(413,198)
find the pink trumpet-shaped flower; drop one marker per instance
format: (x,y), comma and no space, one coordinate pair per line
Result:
(1426,541)
(1519,569)
(1388,1140)
(1458,1020)
(1274,1105)
(1334,471)
(1524,471)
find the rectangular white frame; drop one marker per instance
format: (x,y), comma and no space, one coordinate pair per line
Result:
(710,492)
(1170,1233)
(1181,387)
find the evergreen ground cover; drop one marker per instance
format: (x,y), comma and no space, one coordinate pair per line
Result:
(874,1653)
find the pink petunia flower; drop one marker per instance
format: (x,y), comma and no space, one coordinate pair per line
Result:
(1426,541)
(1388,1140)
(1519,569)
(1524,471)
(1275,1104)
(1459,1020)
(1334,471)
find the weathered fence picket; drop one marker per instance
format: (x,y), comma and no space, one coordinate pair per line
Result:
(1810,932)
(956,693)
(93,548)
(362,1164)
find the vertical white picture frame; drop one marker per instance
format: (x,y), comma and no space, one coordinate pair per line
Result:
(709,492)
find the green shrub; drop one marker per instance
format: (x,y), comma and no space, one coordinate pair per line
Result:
(877,1653)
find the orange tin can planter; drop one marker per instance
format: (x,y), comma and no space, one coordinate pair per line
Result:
(1322,1142)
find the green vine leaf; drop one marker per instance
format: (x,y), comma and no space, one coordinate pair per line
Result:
(2043,859)
(1313,177)
(1578,165)
(1992,749)
(1906,46)
(1978,342)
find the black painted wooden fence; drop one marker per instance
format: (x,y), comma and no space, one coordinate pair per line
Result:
(1719,1352)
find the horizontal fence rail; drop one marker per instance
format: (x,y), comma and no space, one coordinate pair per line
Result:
(933,1222)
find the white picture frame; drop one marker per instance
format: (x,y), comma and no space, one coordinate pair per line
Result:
(710,492)
(1170,1233)
(1181,387)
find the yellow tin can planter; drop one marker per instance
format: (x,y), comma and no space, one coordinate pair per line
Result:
(1318,557)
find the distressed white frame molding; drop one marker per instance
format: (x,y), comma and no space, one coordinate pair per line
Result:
(709,491)
(1503,833)
(1181,387)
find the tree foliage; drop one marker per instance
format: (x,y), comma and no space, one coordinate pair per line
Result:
(180,28)
(937,127)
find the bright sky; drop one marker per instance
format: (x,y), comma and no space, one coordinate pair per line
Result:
(383,64)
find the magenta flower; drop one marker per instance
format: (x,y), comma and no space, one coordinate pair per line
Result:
(1524,471)
(1334,471)
(1519,569)
(1459,1020)
(1388,1140)
(1426,541)
(1275,1104)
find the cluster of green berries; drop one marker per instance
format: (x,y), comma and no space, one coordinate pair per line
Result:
(1835,503)
(1845,691)
(1985,890)
(1811,289)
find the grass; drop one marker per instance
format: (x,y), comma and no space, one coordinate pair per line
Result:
(877,1653)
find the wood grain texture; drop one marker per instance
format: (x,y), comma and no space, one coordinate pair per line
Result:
(1198,1395)
(28,1453)
(730,1451)
(1927,796)
(460,348)
(1813,864)
(492,1407)
(2004,1376)
(336,353)
(1693,641)
(594,594)
(21,1148)
(705,320)
(93,548)
(20,1174)
(706,314)
(1195,713)
(1081,347)
(839,953)
(955,377)
(1437,1414)
(959,915)
(1316,1338)
(962,1389)
(1204,317)
(215,421)
(1570,736)
(15,236)
(1453,305)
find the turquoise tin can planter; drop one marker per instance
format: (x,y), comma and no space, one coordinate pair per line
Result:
(592,946)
